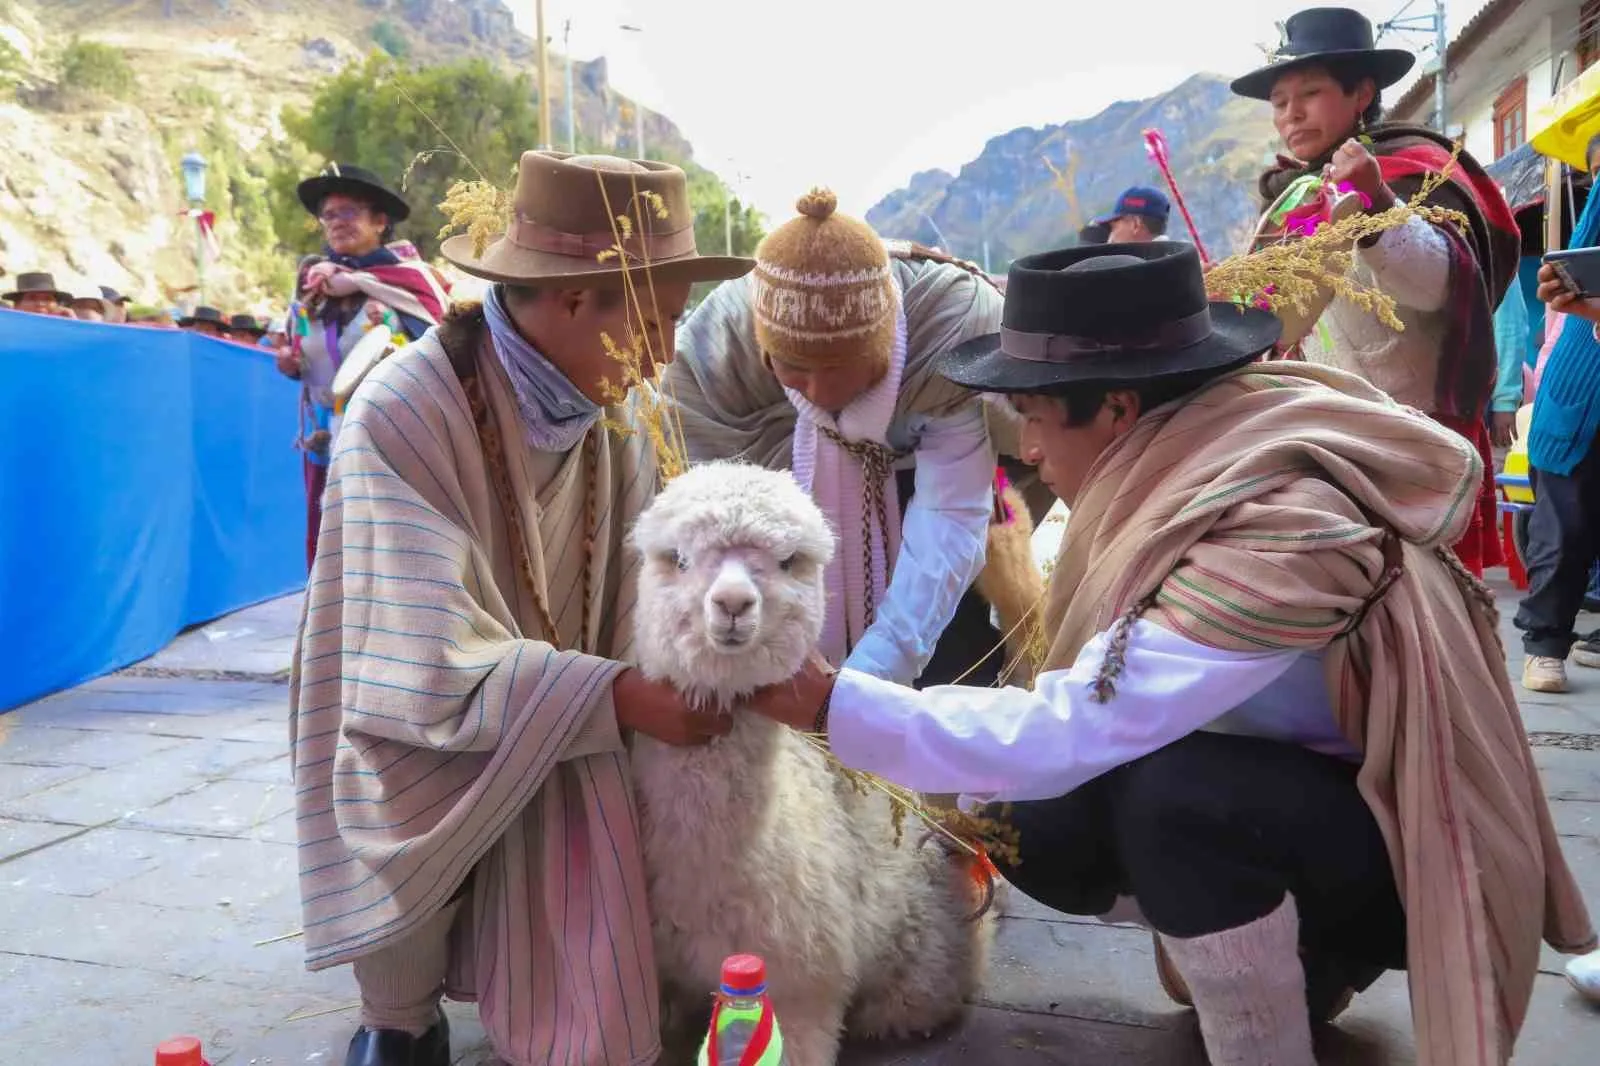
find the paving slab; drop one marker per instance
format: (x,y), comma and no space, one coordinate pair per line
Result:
(221,808)
(91,797)
(19,838)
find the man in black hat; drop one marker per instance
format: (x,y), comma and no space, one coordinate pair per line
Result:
(37,294)
(244,329)
(1251,613)
(362,278)
(206,321)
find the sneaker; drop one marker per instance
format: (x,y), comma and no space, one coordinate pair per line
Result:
(1584,973)
(1586,652)
(1544,673)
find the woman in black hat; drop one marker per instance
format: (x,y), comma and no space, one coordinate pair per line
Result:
(1273,703)
(362,279)
(1324,84)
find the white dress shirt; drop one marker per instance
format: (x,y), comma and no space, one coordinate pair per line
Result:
(1014,744)
(943,536)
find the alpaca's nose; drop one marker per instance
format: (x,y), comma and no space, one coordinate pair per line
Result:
(734,602)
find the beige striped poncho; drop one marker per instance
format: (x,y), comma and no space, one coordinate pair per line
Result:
(437,734)
(1251,517)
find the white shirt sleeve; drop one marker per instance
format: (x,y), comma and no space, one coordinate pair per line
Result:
(1411,262)
(1013,744)
(943,536)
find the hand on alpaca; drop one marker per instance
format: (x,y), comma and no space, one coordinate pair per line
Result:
(660,711)
(799,701)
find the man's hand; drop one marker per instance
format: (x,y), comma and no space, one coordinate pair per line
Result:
(288,362)
(659,711)
(795,702)
(1502,427)
(1553,291)
(1354,165)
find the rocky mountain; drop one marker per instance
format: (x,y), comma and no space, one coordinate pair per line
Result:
(100,99)
(1010,197)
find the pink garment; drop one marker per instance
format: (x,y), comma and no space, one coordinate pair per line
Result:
(1553,321)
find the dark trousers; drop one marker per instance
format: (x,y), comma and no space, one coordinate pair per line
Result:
(1563,542)
(316,479)
(1207,834)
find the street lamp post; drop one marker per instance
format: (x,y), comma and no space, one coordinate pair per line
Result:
(638,112)
(727,207)
(545,140)
(194,167)
(566,52)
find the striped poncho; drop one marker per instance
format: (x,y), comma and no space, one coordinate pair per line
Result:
(438,732)
(1253,516)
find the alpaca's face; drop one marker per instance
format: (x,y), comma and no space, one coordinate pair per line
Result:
(730,586)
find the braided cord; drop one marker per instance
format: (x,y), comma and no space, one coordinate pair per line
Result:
(877,467)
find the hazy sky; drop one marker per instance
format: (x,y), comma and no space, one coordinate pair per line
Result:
(859,94)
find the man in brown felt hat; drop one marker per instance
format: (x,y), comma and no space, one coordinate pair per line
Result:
(460,691)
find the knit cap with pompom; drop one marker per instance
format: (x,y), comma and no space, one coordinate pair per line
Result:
(824,294)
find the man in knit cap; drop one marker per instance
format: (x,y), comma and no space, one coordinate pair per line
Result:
(824,361)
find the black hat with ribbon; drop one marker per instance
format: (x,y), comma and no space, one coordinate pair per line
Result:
(204,314)
(1112,312)
(358,183)
(1332,36)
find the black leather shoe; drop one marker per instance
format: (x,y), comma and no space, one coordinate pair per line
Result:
(394,1047)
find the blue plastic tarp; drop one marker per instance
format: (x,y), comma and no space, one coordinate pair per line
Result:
(148,482)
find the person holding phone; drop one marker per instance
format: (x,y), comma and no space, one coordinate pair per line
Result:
(1564,531)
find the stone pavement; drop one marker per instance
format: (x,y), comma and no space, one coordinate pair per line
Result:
(147,872)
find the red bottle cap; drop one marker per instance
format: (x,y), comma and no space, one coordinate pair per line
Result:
(179,1051)
(744,973)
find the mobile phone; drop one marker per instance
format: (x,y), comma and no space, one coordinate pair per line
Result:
(1578,269)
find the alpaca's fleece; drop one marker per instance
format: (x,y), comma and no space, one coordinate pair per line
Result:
(752,844)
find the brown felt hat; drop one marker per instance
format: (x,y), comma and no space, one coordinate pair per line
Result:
(824,293)
(563,228)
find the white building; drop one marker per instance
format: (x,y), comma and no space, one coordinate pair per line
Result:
(1512,56)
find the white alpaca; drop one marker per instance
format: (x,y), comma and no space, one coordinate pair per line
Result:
(751,843)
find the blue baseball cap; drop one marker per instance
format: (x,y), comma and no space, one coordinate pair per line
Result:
(1139,200)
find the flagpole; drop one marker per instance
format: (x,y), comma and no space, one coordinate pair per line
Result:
(544,78)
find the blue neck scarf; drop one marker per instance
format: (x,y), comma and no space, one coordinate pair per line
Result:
(555,415)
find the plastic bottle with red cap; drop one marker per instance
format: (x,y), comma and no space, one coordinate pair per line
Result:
(180,1051)
(744,1029)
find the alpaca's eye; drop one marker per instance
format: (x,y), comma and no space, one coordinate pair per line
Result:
(676,559)
(788,564)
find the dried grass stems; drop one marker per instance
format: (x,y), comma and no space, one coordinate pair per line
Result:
(1297,272)
(655,414)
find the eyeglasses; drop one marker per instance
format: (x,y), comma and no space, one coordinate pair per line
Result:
(341,214)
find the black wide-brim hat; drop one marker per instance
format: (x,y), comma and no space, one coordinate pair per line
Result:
(246,324)
(1110,312)
(37,282)
(204,314)
(1327,35)
(354,181)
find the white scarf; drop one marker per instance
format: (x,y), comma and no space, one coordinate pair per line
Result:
(835,480)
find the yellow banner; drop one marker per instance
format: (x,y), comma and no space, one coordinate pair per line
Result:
(1562,127)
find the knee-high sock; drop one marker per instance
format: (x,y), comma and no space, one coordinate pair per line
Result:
(402,983)
(1249,990)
